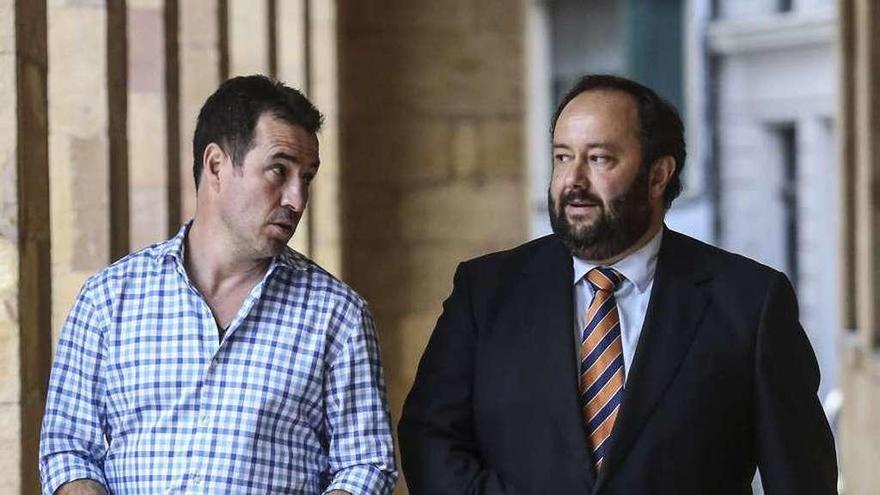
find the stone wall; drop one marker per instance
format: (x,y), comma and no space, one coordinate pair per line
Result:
(432,111)
(859,235)
(25,272)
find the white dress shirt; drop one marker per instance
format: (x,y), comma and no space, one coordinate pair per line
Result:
(632,295)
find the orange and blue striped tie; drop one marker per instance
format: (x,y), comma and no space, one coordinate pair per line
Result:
(601,366)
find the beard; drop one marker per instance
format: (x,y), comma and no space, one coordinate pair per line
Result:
(253,239)
(622,221)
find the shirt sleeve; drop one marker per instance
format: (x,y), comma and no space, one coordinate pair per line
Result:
(361,449)
(72,440)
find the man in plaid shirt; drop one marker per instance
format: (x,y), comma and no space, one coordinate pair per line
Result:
(221,361)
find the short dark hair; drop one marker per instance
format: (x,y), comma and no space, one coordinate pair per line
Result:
(661,132)
(230,115)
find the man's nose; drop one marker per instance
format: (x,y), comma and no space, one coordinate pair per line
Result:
(295,196)
(578,175)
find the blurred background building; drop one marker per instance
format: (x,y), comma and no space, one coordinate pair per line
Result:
(436,150)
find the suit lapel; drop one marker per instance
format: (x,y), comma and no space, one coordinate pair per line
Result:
(549,317)
(676,307)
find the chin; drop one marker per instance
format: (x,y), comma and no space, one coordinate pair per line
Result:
(582,228)
(278,245)
(272,247)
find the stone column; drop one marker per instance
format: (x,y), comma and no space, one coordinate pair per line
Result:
(86,145)
(860,263)
(25,270)
(432,109)
(249,37)
(325,218)
(291,31)
(148,123)
(202,62)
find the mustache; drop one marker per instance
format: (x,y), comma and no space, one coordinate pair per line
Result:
(580,195)
(284,216)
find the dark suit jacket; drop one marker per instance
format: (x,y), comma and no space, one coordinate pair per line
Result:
(723,380)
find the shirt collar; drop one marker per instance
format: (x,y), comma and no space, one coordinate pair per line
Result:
(174,248)
(638,267)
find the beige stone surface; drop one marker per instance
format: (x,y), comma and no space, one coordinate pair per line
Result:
(860,426)
(399,151)
(398,16)
(8,125)
(199,75)
(10,461)
(148,177)
(248,37)
(78,149)
(468,212)
(10,385)
(859,169)
(325,228)
(476,74)
(148,216)
(498,16)
(399,281)
(401,351)
(432,157)
(146,49)
(147,145)
(145,4)
(500,152)
(291,34)
(7,35)
(89,173)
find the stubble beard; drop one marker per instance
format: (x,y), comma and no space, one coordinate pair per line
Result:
(248,242)
(621,222)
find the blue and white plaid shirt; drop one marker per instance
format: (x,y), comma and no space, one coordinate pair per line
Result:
(144,399)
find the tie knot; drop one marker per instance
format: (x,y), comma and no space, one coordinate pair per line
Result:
(604,278)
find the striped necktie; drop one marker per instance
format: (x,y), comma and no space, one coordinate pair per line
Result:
(601,366)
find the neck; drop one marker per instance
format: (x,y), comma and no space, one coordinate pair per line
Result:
(213,262)
(649,234)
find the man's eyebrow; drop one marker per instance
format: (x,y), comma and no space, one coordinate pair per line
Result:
(599,144)
(281,155)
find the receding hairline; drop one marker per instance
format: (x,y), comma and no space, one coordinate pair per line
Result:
(633,108)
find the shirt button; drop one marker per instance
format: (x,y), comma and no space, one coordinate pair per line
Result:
(205,420)
(197,479)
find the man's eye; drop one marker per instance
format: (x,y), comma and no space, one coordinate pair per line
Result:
(561,158)
(600,159)
(279,170)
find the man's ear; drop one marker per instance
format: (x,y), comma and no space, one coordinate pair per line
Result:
(662,171)
(212,163)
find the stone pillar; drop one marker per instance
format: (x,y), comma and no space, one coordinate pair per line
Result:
(291,31)
(25,270)
(432,109)
(249,37)
(148,123)
(86,144)
(860,263)
(325,220)
(202,62)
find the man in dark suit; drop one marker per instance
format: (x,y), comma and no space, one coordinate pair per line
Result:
(616,356)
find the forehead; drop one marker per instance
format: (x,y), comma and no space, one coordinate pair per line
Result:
(600,113)
(272,132)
